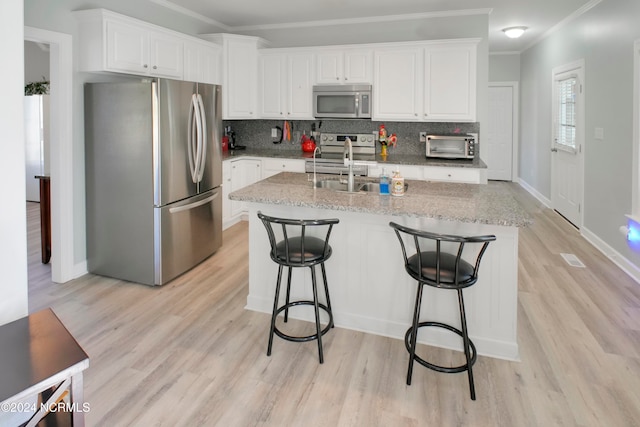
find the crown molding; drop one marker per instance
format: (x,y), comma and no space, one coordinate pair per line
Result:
(321,23)
(365,20)
(190,13)
(565,21)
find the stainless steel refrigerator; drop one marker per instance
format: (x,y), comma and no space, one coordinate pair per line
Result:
(153,163)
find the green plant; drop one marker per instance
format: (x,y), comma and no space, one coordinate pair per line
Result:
(37,88)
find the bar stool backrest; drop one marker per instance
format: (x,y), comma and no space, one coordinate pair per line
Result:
(284,232)
(422,242)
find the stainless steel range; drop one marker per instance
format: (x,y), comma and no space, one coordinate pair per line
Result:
(331,158)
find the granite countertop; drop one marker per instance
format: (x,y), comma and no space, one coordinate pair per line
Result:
(471,203)
(392,159)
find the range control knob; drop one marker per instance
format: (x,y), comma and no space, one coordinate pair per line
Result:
(330,138)
(369,138)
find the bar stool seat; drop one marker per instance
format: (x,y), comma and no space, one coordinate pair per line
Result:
(445,270)
(299,250)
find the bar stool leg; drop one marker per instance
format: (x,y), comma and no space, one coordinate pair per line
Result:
(275,310)
(414,332)
(286,310)
(326,292)
(317,312)
(465,340)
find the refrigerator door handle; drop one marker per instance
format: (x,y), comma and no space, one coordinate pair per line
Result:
(193,205)
(202,140)
(194,138)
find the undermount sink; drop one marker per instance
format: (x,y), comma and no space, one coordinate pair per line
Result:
(370,187)
(332,184)
(367,187)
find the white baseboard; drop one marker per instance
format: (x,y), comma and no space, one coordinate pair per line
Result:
(80,269)
(534,193)
(616,257)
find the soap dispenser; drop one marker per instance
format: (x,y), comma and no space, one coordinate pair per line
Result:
(397,184)
(384,182)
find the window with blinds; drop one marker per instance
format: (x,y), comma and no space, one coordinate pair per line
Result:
(566,112)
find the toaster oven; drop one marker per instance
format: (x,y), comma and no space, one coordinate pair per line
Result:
(451,146)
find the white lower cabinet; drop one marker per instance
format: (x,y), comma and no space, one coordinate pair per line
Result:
(237,174)
(464,175)
(407,171)
(275,166)
(433,173)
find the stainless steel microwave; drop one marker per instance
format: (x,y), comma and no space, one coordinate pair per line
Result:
(342,101)
(451,146)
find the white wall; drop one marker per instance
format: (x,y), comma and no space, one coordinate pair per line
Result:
(504,67)
(36,62)
(13,216)
(604,38)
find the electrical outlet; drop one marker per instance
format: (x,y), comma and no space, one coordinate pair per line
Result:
(423,137)
(274,133)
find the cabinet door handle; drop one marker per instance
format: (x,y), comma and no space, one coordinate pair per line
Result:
(155,67)
(145,66)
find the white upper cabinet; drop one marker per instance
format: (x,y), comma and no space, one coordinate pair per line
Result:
(273,80)
(450,82)
(116,43)
(299,86)
(397,87)
(344,66)
(202,62)
(434,81)
(239,74)
(286,81)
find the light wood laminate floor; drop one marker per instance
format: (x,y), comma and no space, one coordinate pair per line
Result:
(189,354)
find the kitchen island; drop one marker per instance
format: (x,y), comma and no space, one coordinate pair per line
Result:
(370,291)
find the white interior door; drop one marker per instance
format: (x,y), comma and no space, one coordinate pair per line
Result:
(567,144)
(499,137)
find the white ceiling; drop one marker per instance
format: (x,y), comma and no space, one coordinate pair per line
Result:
(538,15)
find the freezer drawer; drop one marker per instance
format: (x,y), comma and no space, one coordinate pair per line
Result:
(187,232)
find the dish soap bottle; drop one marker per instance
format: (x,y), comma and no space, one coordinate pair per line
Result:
(397,184)
(384,182)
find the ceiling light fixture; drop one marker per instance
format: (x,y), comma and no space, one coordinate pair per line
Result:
(514,32)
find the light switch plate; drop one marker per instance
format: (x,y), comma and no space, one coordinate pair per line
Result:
(274,133)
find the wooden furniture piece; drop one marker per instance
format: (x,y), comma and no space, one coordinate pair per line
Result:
(45,217)
(294,244)
(443,269)
(37,353)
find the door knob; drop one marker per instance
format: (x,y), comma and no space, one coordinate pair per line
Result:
(554,150)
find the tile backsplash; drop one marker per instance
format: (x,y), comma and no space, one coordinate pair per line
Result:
(257,133)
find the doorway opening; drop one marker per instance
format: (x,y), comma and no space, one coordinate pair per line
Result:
(61,151)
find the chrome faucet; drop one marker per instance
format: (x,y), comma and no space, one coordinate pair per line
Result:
(348,152)
(317,150)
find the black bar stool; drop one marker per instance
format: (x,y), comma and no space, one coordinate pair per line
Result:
(441,270)
(299,250)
